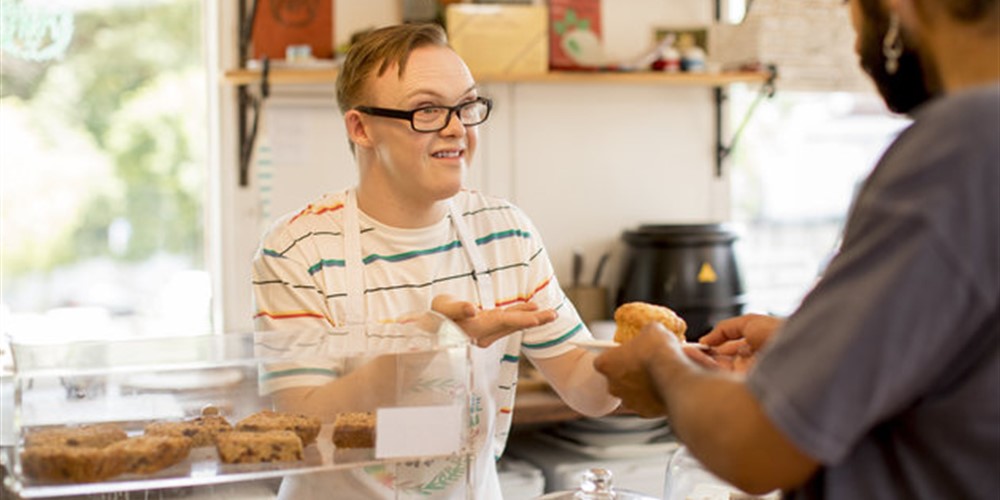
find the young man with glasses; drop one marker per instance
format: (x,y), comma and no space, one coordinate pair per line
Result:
(411,237)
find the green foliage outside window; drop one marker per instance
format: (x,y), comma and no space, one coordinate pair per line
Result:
(118,125)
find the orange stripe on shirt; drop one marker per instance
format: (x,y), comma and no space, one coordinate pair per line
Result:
(505,409)
(523,298)
(310,209)
(290,314)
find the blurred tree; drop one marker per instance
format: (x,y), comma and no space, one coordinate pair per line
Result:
(132,80)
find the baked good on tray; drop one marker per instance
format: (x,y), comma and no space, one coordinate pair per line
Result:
(201,430)
(78,464)
(632,316)
(306,427)
(148,454)
(354,430)
(91,436)
(244,447)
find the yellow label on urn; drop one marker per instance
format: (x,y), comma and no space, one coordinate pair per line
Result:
(706,274)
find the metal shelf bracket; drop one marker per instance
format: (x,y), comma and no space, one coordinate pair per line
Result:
(246,101)
(722,150)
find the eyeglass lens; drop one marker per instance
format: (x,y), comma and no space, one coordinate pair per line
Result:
(433,118)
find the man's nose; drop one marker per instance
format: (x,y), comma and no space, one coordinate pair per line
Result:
(453,126)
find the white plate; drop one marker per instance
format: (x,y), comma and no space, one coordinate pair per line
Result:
(607,439)
(599,346)
(617,423)
(657,447)
(594,345)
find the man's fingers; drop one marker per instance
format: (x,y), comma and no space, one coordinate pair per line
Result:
(726,330)
(731,348)
(699,357)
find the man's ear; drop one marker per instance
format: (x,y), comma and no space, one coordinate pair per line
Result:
(357,130)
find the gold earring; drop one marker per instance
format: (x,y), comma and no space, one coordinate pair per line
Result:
(892,45)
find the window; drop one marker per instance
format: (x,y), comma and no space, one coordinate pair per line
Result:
(103,123)
(795,173)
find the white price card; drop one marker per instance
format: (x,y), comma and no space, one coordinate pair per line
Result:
(418,431)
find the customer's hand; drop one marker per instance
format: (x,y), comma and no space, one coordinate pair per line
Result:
(627,368)
(736,341)
(486,327)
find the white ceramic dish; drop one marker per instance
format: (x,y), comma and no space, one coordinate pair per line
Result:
(606,439)
(626,423)
(657,447)
(599,346)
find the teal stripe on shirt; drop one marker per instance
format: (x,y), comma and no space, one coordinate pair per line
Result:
(550,343)
(411,255)
(299,371)
(315,268)
(501,235)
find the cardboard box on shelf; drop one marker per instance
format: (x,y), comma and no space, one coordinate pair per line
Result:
(500,39)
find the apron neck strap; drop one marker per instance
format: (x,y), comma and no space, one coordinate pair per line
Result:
(484,281)
(353,266)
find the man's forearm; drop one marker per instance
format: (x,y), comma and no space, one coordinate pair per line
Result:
(724,426)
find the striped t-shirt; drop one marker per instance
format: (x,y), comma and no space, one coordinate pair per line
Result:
(300,284)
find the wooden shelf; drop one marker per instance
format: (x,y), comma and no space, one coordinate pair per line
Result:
(281,76)
(544,407)
(329,76)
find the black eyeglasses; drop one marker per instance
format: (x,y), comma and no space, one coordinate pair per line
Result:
(435,118)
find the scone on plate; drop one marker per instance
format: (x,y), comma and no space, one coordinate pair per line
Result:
(306,427)
(632,316)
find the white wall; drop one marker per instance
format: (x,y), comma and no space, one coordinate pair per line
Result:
(586,161)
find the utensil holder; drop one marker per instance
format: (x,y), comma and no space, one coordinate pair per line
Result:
(590,301)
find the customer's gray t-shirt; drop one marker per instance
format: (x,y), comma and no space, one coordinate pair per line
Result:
(889,372)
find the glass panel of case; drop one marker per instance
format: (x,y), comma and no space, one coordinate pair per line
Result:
(78,403)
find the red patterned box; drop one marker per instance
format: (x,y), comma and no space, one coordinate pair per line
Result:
(575,34)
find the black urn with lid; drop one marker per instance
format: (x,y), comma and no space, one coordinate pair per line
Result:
(691,269)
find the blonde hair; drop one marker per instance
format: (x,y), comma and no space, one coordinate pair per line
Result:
(376,51)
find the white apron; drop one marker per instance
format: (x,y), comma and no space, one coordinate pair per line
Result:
(487,441)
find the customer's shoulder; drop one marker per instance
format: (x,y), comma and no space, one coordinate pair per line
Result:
(967,112)
(958,130)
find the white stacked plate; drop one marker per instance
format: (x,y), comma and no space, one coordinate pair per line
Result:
(618,430)
(617,423)
(618,436)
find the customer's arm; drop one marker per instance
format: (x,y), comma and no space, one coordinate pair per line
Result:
(712,412)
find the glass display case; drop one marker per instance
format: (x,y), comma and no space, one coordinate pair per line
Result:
(95,417)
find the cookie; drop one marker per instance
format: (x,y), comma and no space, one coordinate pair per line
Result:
(78,464)
(354,430)
(244,447)
(201,430)
(148,454)
(306,427)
